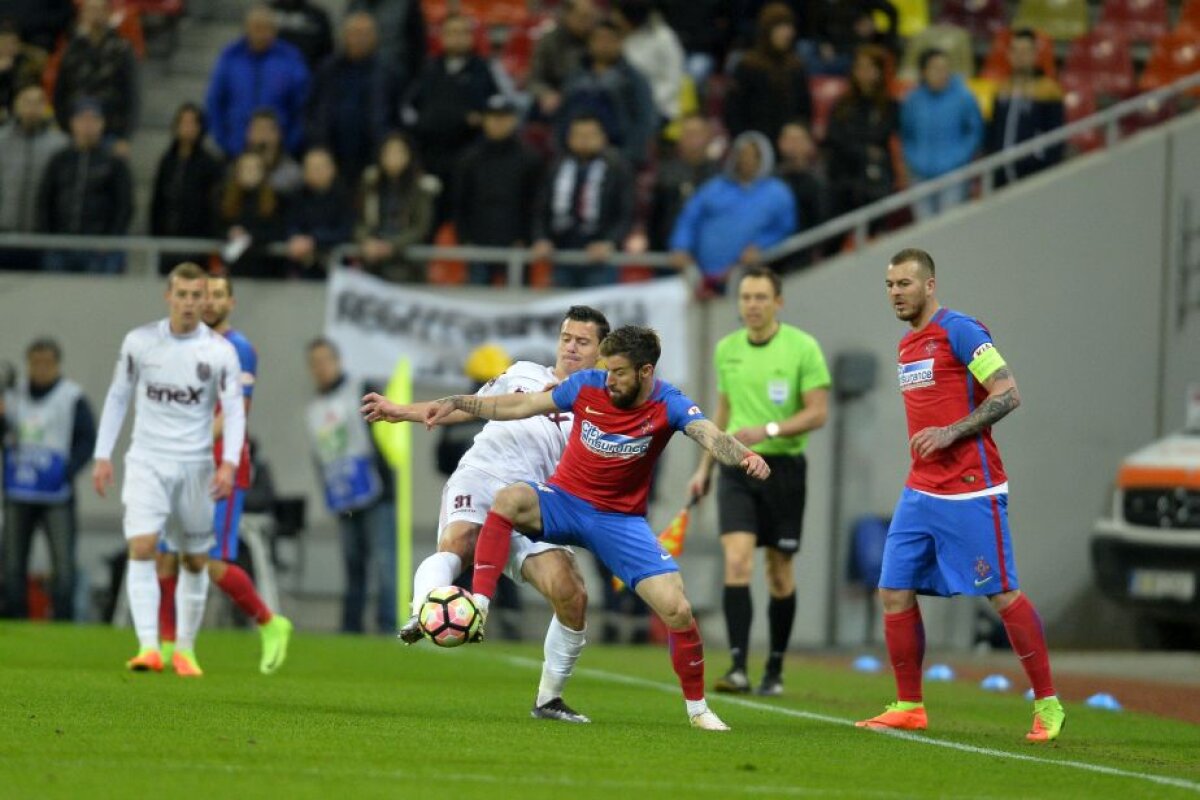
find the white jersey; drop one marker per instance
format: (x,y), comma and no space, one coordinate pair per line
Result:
(177,382)
(524,449)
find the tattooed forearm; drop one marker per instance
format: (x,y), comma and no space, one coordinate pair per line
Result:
(990,412)
(724,448)
(472,404)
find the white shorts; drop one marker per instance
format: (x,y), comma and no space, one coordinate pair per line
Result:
(467,497)
(153,490)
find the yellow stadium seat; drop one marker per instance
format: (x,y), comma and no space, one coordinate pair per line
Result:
(913,14)
(1058,19)
(955,41)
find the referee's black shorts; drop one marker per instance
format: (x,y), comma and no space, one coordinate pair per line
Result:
(773,509)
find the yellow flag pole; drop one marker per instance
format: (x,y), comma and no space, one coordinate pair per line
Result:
(395,442)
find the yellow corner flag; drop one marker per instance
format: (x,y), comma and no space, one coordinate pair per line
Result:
(395,442)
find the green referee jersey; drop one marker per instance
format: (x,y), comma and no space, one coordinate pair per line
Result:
(766,382)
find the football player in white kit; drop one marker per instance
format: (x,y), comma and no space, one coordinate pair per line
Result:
(505,452)
(177,369)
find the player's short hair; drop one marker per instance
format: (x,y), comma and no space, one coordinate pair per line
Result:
(759,271)
(637,343)
(186,271)
(589,314)
(228,281)
(322,341)
(922,259)
(44,344)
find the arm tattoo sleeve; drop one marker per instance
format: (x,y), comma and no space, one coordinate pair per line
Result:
(724,448)
(473,404)
(990,411)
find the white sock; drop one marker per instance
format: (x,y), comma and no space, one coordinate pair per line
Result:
(191,594)
(695,707)
(141,585)
(439,570)
(562,650)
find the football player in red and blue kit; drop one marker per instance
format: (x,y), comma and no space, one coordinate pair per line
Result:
(596,498)
(949,534)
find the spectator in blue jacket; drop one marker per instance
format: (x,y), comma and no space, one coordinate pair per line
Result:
(256,71)
(940,129)
(734,216)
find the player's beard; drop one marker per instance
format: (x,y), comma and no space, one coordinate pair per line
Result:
(626,400)
(915,308)
(215,322)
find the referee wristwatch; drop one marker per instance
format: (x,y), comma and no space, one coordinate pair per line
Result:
(772,429)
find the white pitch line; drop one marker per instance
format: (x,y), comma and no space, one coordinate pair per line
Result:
(616,677)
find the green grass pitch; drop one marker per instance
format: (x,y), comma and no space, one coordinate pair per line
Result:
(351,718)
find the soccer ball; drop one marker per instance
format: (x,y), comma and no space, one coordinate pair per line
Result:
(449,617)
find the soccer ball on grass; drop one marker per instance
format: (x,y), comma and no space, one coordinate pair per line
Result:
(448,617)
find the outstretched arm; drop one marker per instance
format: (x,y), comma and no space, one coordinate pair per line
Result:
(377,408)
(518,405)
(726,449)
(1002,399)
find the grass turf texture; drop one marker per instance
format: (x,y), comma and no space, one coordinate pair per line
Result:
(352,717)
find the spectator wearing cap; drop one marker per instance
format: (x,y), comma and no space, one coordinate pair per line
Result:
(320,217)
(586,203)
(306,27)
(99,65)
(494,188)
(185,185)
(770,85)
(27,145)
(679,176)
(445,104)
(21,65)
(86,190)
(265,137)
(354,101)
(558,54)
(256,71)
(396,210)
(653,49)
(402,33)
(608,87)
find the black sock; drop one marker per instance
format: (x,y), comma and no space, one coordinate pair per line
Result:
(738,612)
(781,612)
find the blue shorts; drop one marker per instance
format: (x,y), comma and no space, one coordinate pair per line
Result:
(227,516)
(948,547)
(623,542)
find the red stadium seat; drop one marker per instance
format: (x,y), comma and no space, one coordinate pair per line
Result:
(983,19)
(1174,56)
(483,43)
(1080,102)
(1136,20)
(1103,62)
(826,90)
(517,53)
(996,66)
(497,12)
(1189,17)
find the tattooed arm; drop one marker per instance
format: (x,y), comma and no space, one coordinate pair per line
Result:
(726,449)
(518,405)
(1002,398)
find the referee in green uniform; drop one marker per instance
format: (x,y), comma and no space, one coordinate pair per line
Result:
(772,389)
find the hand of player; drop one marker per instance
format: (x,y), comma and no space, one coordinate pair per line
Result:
(699,483)
(756,467)
(377,408)
(222,482)
(437,411)
(750,436)
(102,476)
(928,441)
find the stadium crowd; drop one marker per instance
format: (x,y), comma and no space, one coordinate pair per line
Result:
(602,127)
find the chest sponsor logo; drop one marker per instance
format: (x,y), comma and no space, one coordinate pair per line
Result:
(915,374)
(612,445)
(183,395)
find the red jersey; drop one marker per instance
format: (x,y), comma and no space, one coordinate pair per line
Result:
(248,358)
(611,451)
(940,368)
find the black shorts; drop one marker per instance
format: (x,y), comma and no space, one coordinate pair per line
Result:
(772,509)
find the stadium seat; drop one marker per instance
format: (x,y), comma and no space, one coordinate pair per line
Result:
(496,12)
(1080,102)
(1103,62)
(913,17)
(1189,17)
(996,66)
(1137,20)
(1059,19)
(983,19)
(1174,56)
(984,90)
(955,41)
(825,90)
(483,43)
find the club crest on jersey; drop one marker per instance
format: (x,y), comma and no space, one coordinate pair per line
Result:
(203,371)
(915,374)
(647,427)
(612,445)
(930,347)
(982,568)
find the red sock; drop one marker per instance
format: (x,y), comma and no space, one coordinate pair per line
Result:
(166,608)
(491,553)
(905,635)
(687,656)
(237,584)
(1024,628)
